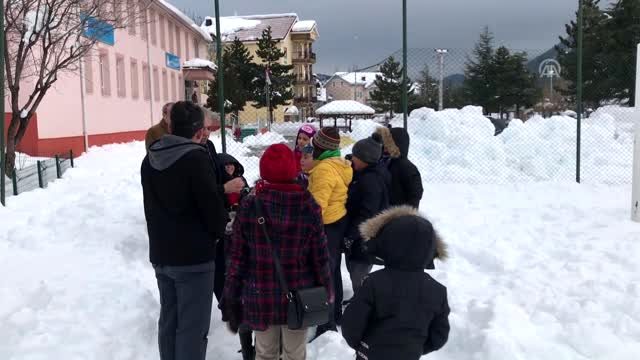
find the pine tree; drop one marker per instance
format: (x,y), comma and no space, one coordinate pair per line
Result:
(595,61)
(429,91)
(515,86)
(479,75)
(239,71)
(388,93)
(281,88)
(622,35)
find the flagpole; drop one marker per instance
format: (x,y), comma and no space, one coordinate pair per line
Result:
(268,85)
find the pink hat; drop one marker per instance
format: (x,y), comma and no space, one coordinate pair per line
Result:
(308,130)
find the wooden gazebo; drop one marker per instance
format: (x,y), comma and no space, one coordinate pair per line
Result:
(344,109)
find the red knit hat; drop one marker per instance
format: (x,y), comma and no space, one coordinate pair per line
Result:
(278,165)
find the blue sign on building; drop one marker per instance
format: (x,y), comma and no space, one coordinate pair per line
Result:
(173,62)
(99,30)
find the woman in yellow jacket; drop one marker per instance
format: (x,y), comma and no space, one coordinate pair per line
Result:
(329,183)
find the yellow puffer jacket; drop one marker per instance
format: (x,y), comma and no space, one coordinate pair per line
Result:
(328,183)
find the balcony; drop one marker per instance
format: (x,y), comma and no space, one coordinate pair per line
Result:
(305,99)
(304,80)
(304,57)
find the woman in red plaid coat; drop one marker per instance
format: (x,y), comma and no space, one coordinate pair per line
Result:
(252,295)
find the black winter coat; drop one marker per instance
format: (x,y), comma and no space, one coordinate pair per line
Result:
(406,182)
(400,312)
(368,196)
(184,210)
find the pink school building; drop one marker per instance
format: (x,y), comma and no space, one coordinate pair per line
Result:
(122,85)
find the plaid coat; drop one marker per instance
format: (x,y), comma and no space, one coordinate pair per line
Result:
(294,224)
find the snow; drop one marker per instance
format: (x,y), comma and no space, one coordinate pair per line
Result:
(537,269)
(264,140)
(359,78)
(185,18)
(200,63)
(303,26)
(34,21)
(23,114)
(292,110)
(345,107)
(229,26)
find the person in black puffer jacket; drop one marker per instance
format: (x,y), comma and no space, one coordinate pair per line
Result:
(399,312)
(406,182)
(368,196)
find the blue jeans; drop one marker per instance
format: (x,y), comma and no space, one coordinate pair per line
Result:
(186,294)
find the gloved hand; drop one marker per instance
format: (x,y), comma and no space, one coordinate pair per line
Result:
(232,315)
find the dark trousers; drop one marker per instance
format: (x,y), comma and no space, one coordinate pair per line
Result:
(186,294)
(357,271)
(335,236)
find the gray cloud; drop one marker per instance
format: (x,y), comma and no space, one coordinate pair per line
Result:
(363,32)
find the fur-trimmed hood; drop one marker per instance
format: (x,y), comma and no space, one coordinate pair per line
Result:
(403,239)
(390,146)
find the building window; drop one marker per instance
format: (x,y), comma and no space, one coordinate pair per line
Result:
(120,83)
(163,42)
(171,31)
(105,75)
(196,47)
(156,84)
(145,20)
(152,26)
(135,90)
(187,54)
(146,82)
(88,73)
(178,42)
(181,94)
(165,85)
(131,10)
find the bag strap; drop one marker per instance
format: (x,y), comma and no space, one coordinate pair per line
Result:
(274,253)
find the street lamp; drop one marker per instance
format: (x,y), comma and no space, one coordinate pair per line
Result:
(441,53)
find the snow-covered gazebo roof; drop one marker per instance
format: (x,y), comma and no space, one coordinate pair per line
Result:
(199,69)
(345,107)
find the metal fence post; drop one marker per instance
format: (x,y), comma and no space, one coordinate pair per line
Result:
(58,170)
(40,178)
(579,91)
(71,157)
(14,180)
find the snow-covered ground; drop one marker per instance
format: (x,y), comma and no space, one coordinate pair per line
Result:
(538,270)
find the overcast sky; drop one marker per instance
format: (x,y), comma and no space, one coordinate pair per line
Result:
(363,32)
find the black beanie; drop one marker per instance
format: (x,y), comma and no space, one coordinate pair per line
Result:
(369,150)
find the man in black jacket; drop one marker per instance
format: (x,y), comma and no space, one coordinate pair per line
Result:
(368,196)
(406,182)
(185,218)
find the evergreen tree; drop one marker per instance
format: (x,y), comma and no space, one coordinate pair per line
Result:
(622,36)
(515,86)
(429,91)
(479,81)
(239,71)
(595,61)
(387,97)
(281,88)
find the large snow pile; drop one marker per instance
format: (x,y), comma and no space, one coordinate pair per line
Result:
(460,146)
(266,139)
(536,271)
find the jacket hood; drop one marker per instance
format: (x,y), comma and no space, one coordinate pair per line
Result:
(342,166)
(403,239)
(228,159)
(169,149)
(390,146)
(401,139)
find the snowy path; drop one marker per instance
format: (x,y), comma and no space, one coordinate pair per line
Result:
(542,271)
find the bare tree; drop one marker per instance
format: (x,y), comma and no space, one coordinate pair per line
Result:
(45,38)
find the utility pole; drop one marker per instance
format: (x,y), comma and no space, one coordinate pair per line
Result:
(404,64)
(441,54)
(220,75)
(579,89)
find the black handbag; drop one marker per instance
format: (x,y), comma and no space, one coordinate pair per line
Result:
(306,307)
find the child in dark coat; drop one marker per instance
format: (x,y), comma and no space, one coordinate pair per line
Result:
(399,312)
